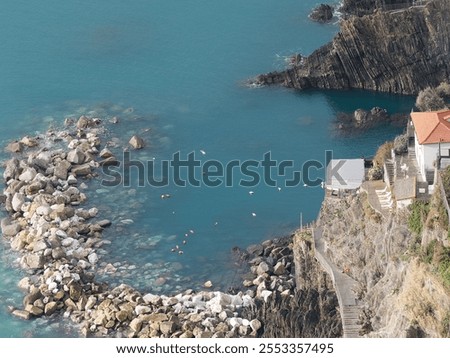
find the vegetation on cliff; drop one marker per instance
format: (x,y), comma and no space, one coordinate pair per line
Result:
(401,263)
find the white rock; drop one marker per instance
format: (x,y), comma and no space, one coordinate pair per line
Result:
(247,301)
(93,258)
(71,179)
(235,321)
(52,286)
(75,276)
(67,242)
(255,324)
(91,301)
(39,245)
(28,175)
(236,300)
(17,201)
(137,142)
(93,212)
(83,264)
(215,308)
(265,294)
(142,310)
(24,283)
(61,233)
(43,210)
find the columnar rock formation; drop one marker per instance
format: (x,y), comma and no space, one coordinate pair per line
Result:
(401,51)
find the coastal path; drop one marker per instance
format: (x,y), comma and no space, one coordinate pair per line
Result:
(348,303)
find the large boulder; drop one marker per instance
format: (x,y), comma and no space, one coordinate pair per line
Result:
(14,147)
(34,261)
(322,13)
(17,201)
(137,142)
(10,228)
(28,175)
(83,122)
(76,156)
(62,169)
(81,170)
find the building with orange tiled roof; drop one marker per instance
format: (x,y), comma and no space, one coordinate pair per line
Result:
(432,134)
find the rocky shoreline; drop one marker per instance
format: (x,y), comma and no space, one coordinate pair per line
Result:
(398,51)
(59,239)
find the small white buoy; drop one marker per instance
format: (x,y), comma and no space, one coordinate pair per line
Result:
(253,214)
(181,252)
(279,189)
(191,231)
(251,192)
(202,151)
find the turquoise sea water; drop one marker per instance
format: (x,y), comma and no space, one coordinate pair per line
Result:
(181,65)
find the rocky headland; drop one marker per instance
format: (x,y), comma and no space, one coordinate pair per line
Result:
(398,51)
(60,240)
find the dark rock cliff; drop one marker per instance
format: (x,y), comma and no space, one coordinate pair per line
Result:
(401,51)
(364,7)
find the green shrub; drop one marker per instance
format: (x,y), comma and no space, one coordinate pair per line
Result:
(429,252)
(419,213)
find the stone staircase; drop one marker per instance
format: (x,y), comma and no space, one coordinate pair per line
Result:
(345,288)
(390,170)
(350,323)
(385,199)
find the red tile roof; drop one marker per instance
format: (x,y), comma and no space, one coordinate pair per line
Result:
(432,127)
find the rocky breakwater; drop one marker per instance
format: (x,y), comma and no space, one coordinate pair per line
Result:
(402,51)
(59,239)
(294,297)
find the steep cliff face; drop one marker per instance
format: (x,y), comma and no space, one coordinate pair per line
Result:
(364,7)
(400,51)
(402,295)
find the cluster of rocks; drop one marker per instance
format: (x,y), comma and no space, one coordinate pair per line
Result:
(59,240)
(271,268)
(322,13)
(362,119)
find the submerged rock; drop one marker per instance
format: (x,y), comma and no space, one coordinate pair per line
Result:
(14,147)
(137,142)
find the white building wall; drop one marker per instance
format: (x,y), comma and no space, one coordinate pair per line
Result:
(427,154)
(430,152)
(419,154)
